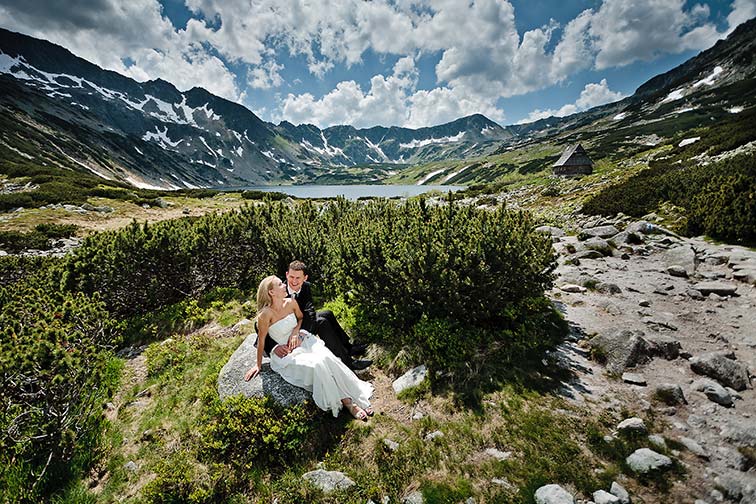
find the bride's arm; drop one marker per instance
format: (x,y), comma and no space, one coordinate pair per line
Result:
(294,337)
(263,323)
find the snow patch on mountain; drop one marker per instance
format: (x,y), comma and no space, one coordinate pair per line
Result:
(452,175)
(674,95)
(688,141)
(430,176)
(428,141)
(709,80)
(162,138)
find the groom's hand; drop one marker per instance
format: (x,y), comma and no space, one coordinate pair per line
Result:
(281,351)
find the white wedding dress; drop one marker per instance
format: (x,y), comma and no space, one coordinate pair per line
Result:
(313,367)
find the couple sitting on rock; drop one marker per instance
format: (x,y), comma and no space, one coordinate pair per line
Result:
(286,313)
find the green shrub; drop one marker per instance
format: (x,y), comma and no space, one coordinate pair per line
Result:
(56,372)
(255,432)
(454,277)
(718,198)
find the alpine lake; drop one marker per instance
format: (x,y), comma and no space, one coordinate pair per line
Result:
(350,192)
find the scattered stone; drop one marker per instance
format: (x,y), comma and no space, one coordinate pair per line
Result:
(694,447)
(599,245)
(663,346)
(633,424)
(657,441)
(719,366)
(625,238)
(644,461)
(498,454)
(551,230)
(411,378)
(694,294)
(572,288)
(131,466)
(434,435)
(634,378)
(680,259)
(501,482)
(621,349)
(231,378)
(677,271)
(604,497)
(415,497)
(162,203)
(745,275)
(390,444)
(608,288)
(714,391)
(553,494)
(598,232)
(670,394)
(619,491)
(328,481)
(719,288)
(186,211)
(644,303)
(587,254)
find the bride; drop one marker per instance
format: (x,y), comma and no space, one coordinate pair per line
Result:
(309,364)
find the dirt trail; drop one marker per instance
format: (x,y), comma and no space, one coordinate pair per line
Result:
(655,302)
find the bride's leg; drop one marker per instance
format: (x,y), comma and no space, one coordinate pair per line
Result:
(355,410)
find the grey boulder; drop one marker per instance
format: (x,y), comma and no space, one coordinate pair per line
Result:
(598,232)
(328,481)
(726,371)
(231,378)
(644,461)
(670,394)
(553,494)
(411,378)
(715,287)
(621,349)
(714,391)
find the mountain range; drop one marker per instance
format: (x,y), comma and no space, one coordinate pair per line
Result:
(150,134)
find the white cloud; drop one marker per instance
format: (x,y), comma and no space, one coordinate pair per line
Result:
(742,11)
(111,30)
(592,95)
(266,76)
(623,32)
(482,56)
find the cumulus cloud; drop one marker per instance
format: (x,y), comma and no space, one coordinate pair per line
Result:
(623,32)
(482,57)
(266,76)
(592,95)
(106,32)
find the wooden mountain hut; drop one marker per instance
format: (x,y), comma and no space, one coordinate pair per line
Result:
(574,161)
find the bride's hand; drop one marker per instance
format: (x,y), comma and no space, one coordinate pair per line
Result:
(251,373)
(293,341)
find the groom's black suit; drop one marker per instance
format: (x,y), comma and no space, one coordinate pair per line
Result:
(322,323)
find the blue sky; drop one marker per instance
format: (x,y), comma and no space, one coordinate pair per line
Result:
(389,62)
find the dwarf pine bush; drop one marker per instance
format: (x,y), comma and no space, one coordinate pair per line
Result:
(56,371)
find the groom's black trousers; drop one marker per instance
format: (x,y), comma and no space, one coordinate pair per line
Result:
(333,335)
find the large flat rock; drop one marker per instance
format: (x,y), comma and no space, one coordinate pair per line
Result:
(716,287)
(231,378)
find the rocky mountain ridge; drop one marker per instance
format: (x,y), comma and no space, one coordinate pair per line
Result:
(152,135)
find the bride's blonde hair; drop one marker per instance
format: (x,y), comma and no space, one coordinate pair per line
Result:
(263,293)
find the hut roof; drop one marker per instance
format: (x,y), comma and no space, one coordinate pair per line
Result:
(574,155)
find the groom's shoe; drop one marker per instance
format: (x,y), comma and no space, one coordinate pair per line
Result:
(359,365)
(358,349)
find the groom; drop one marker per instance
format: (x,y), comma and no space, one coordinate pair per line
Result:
(322,323)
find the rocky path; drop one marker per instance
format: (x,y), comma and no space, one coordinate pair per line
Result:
(664,312)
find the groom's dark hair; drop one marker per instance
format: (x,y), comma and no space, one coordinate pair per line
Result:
(298,266)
